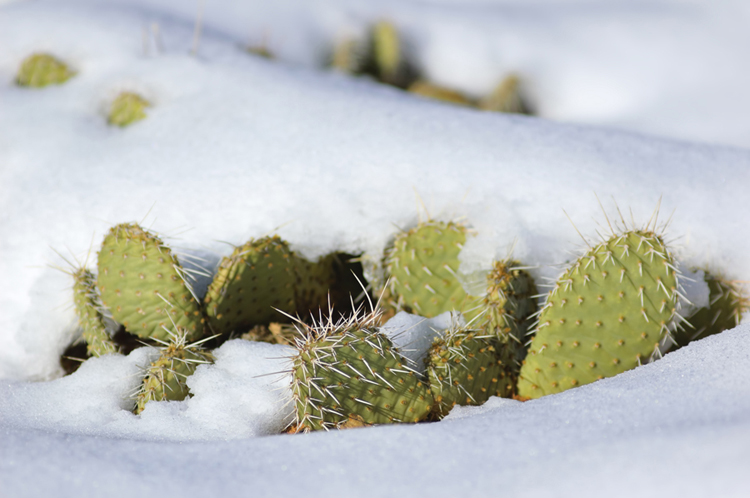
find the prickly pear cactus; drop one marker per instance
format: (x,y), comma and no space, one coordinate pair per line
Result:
(431,91)
(348,374)
(607,313)
(464,367)
(727,304)
(260,277)
(387,51)
(506,97)
(509,302)
(90,318)
(144,286)
(422,265)
(127,108)
(40,70)
(165,378)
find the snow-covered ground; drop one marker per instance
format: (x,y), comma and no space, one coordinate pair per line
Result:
(237,146)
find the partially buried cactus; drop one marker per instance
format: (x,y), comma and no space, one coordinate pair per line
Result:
(40,70)
(127,108)
(90,316)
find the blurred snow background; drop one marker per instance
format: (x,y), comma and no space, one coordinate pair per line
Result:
(237,146)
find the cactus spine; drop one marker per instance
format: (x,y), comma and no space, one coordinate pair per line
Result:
(349,374)
(40,70)
(144,286)
(165,378)
(90,318)
(606,314)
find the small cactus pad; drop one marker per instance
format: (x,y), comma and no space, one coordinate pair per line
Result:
(349,374)
(508,304)
(262,275)
(165,378)
(727,303)
(40,70)
(387,51)
(144,286)
(90,318)
(348,56)
(506,98)
(127,108)
(431,91)
(464,368)
(422,265)
(606,314)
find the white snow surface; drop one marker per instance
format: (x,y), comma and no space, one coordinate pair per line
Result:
(237,147)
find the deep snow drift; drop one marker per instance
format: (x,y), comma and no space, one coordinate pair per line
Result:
(237,147)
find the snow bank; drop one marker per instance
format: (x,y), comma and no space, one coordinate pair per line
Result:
(677,427)
(237,147)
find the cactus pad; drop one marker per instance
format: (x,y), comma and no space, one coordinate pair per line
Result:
(464,368)
(40,70)
(422,265)
(165,378)
(727,303)
(144,286)
(90,318)
(262,275)
(439,93)
(506,98)
(606,314)
(349,374)
(127,108)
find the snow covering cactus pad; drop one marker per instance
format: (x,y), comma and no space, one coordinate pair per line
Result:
(127,108)
(727,303)
(422,265)
(606,314)
(90,318)
(165,378)
(40,70)
(348,374)
(509,302)
(144,286)
(464,368)
(261,277)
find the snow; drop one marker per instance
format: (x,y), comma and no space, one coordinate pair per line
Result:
(236,147)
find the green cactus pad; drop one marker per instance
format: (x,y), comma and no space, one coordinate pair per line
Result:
(431,91)
(165,378)
(262,275)
(727,303)
(508,304)
(144,286)
(422,265)
(464,368)
(606,314)
(387,51)
(127,108)
(506,98)
(40,70)
(90,318)
(349,374)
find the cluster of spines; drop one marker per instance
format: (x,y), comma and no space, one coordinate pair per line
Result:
(165,378)
(613,309)
(347,373)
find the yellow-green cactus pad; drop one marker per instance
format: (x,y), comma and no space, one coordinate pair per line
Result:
(506,97)
(40,70)
(144,286)
(436,92)
(127,108)
(349,374)
(727,304)
(422,265)
(90,318)
(165,378)
(464,367)
(607,313)
(261,277)
(387,51)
